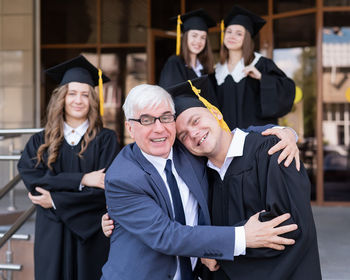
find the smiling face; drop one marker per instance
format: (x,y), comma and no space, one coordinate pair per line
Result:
(234,36)
(196,41)
(155,139)
(77,103)
(199,131)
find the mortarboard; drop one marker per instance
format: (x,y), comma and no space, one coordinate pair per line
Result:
(79,69)
(192,94)
(198,20)
(252,22)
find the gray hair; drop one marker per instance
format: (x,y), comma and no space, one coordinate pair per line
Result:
(143,96)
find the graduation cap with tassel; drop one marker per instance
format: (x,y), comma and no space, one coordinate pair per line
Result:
(195,93)
(238,15)
(79,69)
(194,20)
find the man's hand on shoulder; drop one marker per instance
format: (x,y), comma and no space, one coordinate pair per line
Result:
(266,234)
(287,144)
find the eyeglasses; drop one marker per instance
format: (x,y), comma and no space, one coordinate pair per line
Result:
(148,120)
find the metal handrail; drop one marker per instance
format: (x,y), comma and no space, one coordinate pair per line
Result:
(10,266)
(9,157)
(19,222)
(10,185)
(19,131)
(18,236)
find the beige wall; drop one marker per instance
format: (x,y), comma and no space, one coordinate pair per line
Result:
(16,64)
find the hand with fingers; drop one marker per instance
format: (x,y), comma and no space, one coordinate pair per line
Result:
(267,234)
(287,144)
(107,225)
(94,179)
(211,264)
(252,72)
(44,200)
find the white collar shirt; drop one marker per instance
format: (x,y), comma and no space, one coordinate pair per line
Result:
(74,135)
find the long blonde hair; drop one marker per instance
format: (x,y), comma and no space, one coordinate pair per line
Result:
(55,121)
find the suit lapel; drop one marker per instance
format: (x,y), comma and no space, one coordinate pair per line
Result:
(187,173)
(156,178)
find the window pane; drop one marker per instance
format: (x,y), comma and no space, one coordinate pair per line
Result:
(68,22)
(295,54)
(162,11)
(280,6)
(336,3)
(220,8)
(124,21)
(126,69)
(336,82)
(302,33)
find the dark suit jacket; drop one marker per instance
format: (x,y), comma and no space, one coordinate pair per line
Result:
(147,239)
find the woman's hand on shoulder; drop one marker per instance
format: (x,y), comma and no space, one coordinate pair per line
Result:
(252,72)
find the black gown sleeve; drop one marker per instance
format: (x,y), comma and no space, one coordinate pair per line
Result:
(81,211)
(41,175)
(173,72)
(277,91)
(283,190)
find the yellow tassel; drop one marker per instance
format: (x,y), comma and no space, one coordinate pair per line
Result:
(178,35)
(222,28)
(100,90)
(211,108)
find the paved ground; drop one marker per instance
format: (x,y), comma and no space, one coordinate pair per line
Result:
(333,229)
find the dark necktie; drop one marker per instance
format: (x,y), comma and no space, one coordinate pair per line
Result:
(185,262)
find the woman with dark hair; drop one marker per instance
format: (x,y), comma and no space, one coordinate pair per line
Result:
(251,89)
(63,169)
(195,58)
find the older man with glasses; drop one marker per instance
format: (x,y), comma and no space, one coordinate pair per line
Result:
(157,193)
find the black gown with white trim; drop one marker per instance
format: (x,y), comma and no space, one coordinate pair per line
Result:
(246,101)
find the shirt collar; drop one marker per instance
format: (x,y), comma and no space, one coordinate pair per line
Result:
(198,67)
(80,130)
(221,70)
(158,162)
(236,146)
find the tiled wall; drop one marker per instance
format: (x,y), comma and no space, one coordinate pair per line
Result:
(16,64)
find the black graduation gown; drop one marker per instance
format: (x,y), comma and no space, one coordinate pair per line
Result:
(175,71)
(254,102)
(69,242)
(256,182)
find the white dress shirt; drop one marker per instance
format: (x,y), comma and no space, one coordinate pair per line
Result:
(197,69)
(190,204)
(74,135)
(235,150)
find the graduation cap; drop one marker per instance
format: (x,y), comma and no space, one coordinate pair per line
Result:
(252,22)
(79,69)
(192,94)
(198,20)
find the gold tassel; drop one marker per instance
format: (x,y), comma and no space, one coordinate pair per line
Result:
(100,90)
(178,35)
(211,108)
(222,28)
